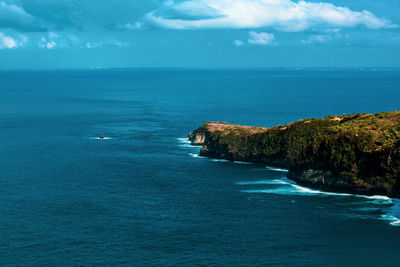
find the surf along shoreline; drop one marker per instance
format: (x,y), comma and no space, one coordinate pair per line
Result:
(355,154)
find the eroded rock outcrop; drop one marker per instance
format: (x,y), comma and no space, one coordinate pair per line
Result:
(358,153)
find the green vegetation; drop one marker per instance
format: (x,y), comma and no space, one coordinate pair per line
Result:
(361,148)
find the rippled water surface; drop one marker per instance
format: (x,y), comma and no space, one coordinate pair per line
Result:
(142,196)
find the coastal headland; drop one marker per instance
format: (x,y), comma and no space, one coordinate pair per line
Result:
(357,153)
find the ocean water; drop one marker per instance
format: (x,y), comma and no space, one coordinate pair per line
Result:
(142,196)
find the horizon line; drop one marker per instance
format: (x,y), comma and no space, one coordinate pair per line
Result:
(361,68)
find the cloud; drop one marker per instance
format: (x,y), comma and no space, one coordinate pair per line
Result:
(262,38)
(7,41)
(130,26)
(319,38)
(121,44)
(328,37)
(64,40)
(51,44)
(88,15)
(15,17)
(10,42)
(284,15)
(45,43)
(94,44)
(238,43)
(53,40)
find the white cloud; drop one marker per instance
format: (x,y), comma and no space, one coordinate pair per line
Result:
(333,30)
(15,17)
(285,15)
(238,43)
(319,38)
(9,42)
(12,8)
(94,44)
(53,35)
(122,44)
(130,26)
(110,42)
(325,38)
(48,43)
(51,44)
(262,38)
(24,39)
(61,40)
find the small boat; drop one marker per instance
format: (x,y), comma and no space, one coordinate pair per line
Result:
(101,137)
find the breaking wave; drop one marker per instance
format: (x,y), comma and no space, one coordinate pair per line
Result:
(391,219)
(220,160)
(185,142)
(242,162)
(193,155)
(276,169)
(285,186)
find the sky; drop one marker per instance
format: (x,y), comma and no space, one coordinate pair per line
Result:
(63,34)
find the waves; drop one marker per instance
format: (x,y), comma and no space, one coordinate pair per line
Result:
(393,214)
(261,182)
(276,169)
(242,162)
(291,188)
(349,205)
(394,221)
(185,142)
(220,160)
(286,187)
(352,205)
(193,155)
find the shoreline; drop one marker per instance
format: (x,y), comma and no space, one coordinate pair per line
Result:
(356,154)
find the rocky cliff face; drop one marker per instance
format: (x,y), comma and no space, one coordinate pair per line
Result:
(358,153)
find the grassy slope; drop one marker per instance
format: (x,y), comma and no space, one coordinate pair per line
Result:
(361,148)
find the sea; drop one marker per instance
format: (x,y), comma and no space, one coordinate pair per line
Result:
(143,196)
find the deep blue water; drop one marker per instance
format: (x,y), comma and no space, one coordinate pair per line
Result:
(142,197)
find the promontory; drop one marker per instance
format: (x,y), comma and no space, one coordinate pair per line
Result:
(357,153)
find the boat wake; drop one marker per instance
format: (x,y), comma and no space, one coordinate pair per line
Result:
(101,138)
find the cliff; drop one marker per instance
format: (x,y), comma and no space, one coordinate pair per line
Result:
(357,153)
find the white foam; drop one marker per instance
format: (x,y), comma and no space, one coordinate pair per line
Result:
(276,169)
(312,191)
(297,189)
(393,220)
(242,162)
(98,138)
(193,155)
(185,142)
(279,191)
(288,187)
(377,197)
(261,182)
(220,160)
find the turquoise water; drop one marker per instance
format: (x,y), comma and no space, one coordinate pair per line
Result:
(143,196)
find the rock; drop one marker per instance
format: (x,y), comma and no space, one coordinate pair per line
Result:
(357,153)
(197,139)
